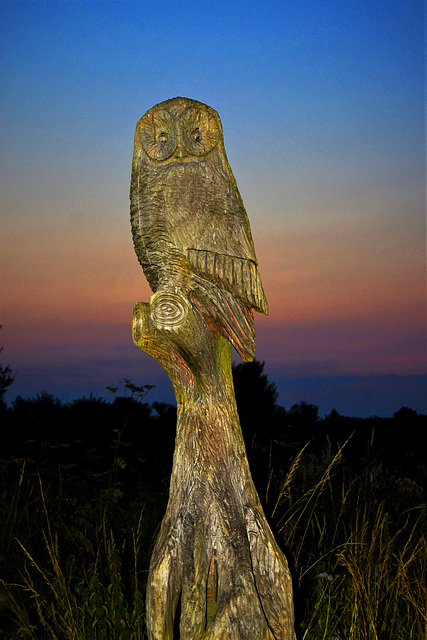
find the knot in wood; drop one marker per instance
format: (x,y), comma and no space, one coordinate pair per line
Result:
(168,310)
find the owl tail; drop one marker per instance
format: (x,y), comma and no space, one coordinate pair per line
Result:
(238,326)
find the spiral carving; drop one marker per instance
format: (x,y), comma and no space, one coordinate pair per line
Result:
(168,310)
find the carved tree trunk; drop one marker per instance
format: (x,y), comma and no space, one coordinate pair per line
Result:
(215,552)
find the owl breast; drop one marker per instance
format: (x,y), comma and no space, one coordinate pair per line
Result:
(203,212)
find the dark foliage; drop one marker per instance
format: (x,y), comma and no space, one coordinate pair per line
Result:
(6,378)
(108,462)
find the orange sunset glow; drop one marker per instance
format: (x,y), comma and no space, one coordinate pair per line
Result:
(323,129)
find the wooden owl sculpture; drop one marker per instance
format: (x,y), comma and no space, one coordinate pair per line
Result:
(189,225)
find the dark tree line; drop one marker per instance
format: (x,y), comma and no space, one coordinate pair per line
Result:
(91,431)
(103,464)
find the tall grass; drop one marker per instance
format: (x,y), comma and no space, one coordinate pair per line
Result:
(60,600)
(355,537)
(360,562)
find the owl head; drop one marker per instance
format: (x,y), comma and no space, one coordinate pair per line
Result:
(177,130)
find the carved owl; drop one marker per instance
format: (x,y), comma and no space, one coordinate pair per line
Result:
(189,225)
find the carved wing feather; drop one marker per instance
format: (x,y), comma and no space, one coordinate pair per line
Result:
(237,275)
(227,314)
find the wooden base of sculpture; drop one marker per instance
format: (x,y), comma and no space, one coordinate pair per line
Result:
(215,559)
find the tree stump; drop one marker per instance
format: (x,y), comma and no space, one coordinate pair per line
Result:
(215,555)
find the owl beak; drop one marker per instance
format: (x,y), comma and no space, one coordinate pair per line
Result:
(180,153)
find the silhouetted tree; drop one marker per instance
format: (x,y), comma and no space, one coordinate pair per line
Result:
(262,421)
(302,421)
(303,414)
(405,415)
(6,377)
(256,399)
(333,417)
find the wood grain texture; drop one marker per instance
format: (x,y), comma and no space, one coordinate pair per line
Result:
(215,559)
(215,553)
(190,228)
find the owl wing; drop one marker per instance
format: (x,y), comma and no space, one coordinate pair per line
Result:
(237,275)
(226,289)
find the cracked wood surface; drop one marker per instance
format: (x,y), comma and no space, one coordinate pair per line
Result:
(215,559)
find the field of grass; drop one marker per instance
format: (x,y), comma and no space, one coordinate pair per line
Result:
(84,488)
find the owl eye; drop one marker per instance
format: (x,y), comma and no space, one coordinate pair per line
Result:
(200,131)
(157,135)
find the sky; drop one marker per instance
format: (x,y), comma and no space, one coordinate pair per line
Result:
(322,106)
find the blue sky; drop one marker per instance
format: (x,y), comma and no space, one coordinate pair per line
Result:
(322,105)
